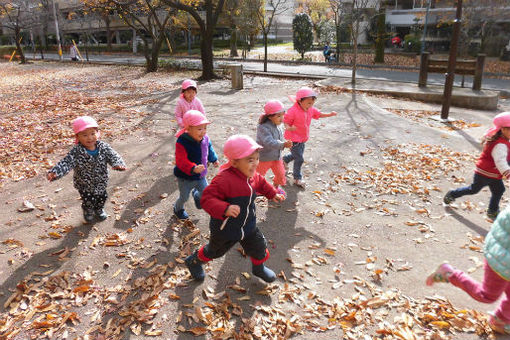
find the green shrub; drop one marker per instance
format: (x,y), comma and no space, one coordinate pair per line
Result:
(412,43)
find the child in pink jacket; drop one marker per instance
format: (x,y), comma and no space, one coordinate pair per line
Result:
(297,122)
(188,100)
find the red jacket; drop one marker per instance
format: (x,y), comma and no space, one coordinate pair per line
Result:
(228,187)
(485,165)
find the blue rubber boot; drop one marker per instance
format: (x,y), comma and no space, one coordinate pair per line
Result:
(263,272)
(195,195)
(195,266)
(181,214)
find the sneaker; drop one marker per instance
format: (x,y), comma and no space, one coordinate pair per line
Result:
(498,325)
(441,274)
(89,215)
(448,198)
(300,183)
(264,273)
(181,214)
(492,214)
(195,266)
(101,214)
(197,200)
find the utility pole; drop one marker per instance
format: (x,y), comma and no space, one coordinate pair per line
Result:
(57,32)
(425,28)
(452,60)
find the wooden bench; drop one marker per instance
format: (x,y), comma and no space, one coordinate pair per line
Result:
(462,67)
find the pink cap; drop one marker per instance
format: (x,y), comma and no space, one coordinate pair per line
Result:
(303,92)
(192,118)
(273,107)
(237,147)
(500,121)
(83,123)
(188,83)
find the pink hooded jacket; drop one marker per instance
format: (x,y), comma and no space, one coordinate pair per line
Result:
(184,106)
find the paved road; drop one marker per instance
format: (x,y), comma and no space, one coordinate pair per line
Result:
(307,69)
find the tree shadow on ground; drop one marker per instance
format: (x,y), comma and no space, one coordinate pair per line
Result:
(44,261)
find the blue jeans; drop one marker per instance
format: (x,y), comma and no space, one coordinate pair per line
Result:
(496,186)
(296,154)
(185,187)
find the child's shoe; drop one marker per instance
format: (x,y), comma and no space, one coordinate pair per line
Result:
(89,215)
(448,198)
(195,266)
(492,214)
(263,272)
(194,192)
(498,325)
(101,214)
(281,191)
(441,274)
(300,183)
(181,214)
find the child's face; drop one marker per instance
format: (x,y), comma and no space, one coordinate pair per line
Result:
(247,165)
(197,132)
(307,103)
(505,131)
(277,119)
(88,138)
(189,94)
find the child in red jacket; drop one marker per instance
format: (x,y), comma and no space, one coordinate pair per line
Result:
(230,200)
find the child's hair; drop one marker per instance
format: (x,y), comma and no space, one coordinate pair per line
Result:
(314,97)
(191,87)
(488,139)
(264,118)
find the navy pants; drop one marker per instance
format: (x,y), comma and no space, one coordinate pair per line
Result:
(296,154)
(496,186)
(92,201)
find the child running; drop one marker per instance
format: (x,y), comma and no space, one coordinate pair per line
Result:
(188,100)
(230,200)
(89,159)
(270,137)
(297,122)
(491,167)
(496,278)
(193,151)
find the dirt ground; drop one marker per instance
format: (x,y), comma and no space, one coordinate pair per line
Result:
(370,223)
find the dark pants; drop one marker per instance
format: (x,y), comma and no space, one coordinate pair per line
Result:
(253,244)
(91,201)
(496,186)
(296,154)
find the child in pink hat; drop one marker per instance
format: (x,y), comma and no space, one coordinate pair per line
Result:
(230,200)
(89,159)
(188,100)
(270,137)
(491,167)
(193,151)
(297,122)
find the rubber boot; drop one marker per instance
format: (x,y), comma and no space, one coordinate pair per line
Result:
(89,215)
(263,272)
(101,214)
(195,266)
(195,194)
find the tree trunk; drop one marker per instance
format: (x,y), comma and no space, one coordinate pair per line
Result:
(338,42)
(17,36)
(265,52)
(233,42)
(108,33)
(381,33)
(206,47)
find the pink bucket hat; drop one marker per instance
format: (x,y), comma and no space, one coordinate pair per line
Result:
(273,107)
(303,92)
(188,83)
(500,121)
(83,123)
(237,147)
(192,118)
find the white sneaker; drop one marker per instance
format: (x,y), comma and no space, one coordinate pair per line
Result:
(300,183)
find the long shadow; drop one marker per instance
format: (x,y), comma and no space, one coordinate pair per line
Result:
(44,261)
(467,137)
(475,227)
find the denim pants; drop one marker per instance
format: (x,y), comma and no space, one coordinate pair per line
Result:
(496,186)
(185,187)
(296,154)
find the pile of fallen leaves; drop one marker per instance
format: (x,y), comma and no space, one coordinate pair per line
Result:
(425,115)
(407,168)
(38,105)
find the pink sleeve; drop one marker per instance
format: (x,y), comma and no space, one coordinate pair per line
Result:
(316,114)
(200,106)
(179,112)
(288,118)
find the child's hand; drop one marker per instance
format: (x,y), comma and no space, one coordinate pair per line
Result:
(119,168)
(279,198)
(333,113)
(199,168)
(51,176)
(233,211)
(287,144)
(216,164)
